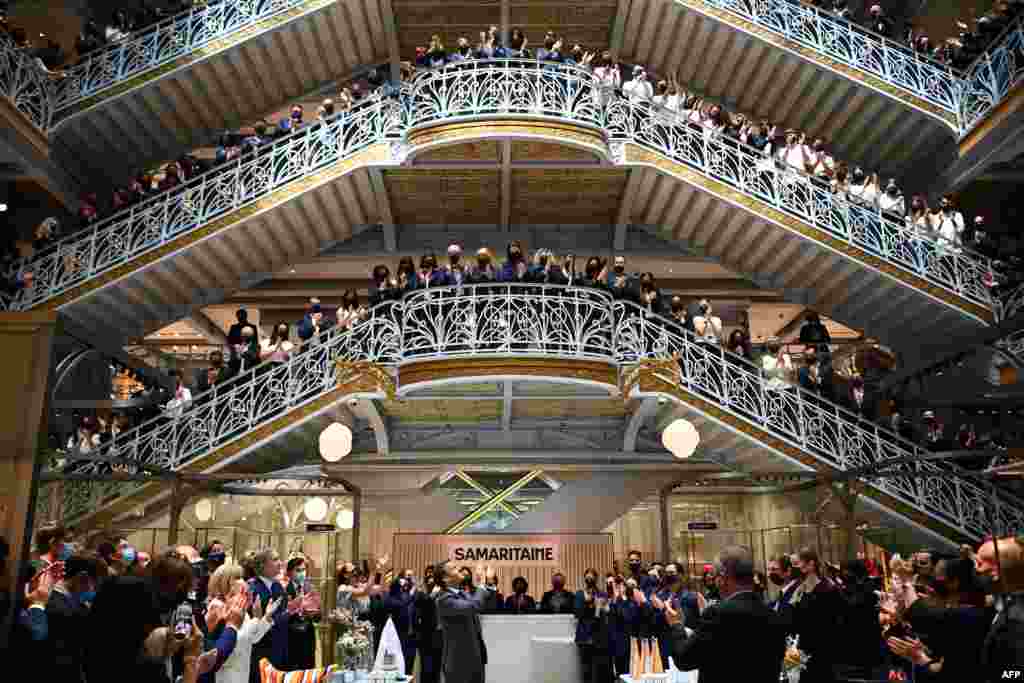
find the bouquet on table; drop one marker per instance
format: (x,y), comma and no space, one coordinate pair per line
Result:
(352,650)
(795,660)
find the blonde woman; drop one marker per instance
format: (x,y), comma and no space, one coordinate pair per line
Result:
(229,591)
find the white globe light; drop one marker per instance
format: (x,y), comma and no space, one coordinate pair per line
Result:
(204,510)
(315,509)
(335,442)
(346,519)
(680,438)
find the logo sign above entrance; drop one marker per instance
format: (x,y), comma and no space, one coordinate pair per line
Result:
(535,557)
(507,553)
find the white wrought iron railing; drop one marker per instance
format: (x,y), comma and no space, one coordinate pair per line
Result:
(160,44)
(112,242)
(483,89)
(851,45)
(969,95)
(515,319)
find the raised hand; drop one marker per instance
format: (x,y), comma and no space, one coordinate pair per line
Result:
(702,602)
(672,617)
(272,609)
(235,613)
(41,593)
(257,609)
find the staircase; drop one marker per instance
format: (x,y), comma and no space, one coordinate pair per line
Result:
(172,87)
(735,410)
(316,186)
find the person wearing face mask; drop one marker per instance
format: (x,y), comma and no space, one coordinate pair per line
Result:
(557,600)
(740,638)
(520,602)
(637,571)
(639,89)
(863,189)
(947,226)
(482,271)
(400,606)
(428,634)
(783,577)
(595,273)
(707,326)
(891,201)
(228,616)
(67,615)
(381,288)
(127,608)
(816,603)
(822,165)
(538,271)
(494,603)
(51,547)
(649,296)
(429,274)
(673,592)
(620,283)
(515,267)
(455,269)
(862,655)
(679,313)
(302,618)
(585,609)
(277,348)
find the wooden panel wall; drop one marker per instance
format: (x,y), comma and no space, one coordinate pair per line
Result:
(576,552)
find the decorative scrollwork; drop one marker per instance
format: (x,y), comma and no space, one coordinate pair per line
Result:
(348,371)
(484,89)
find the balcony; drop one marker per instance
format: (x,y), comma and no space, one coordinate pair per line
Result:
(442,335)
(166,89)
(884,277)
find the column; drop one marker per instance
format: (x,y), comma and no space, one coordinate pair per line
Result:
(25,346)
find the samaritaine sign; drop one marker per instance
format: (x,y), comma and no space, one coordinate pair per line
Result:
(512,553)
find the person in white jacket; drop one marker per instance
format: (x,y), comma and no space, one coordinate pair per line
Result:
(226,584)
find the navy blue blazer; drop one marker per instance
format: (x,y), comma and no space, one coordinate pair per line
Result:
(276,640)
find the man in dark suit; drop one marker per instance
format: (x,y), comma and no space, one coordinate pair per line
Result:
(741,620)
(67,613)
(465,655)
(266,589)
(1003,651)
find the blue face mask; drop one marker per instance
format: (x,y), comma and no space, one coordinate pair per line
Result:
(65,552)
(216,558)
(87,596)
(128,555)
(299,578)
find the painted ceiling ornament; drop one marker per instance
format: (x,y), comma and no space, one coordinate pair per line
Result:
(348,372)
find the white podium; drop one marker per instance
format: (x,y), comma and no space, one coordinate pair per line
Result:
(527,648)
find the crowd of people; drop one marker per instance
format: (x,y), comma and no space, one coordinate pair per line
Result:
(942,228)
(933,617)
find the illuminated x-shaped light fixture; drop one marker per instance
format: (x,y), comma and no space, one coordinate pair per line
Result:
(486,492)
(491,503)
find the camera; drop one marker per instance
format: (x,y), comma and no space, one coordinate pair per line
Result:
(182,621)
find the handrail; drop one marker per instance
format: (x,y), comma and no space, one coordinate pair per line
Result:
(485,89)
(160,44)
(968,95)
(854,45)
(184,208)
(518,319)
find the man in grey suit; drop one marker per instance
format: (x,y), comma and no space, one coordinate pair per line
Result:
(458,614)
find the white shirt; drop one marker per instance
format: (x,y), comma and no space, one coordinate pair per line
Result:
(948,226)
(793,157)
(887,202)
(181,402)
(866,194)
(236,667)
(638,90)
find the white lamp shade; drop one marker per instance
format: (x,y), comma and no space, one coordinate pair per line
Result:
(680,438)
(346,519)
(335,442)
(315,509)
(204,510)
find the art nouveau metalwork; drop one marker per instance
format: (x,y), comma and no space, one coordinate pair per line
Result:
(160,44)
(991,77)
(851,45)
(25,84)
(481,90)
(203,199)
(536,320)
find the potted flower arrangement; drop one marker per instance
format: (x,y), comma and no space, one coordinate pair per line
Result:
(354,647)
(795,660)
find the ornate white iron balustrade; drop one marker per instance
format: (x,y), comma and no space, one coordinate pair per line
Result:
(486,88)
(482,89)
(832,434)
(24,84)
(854,46)
(195,203)
(161,44)
(969,96)
(991,77)
(552,321)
